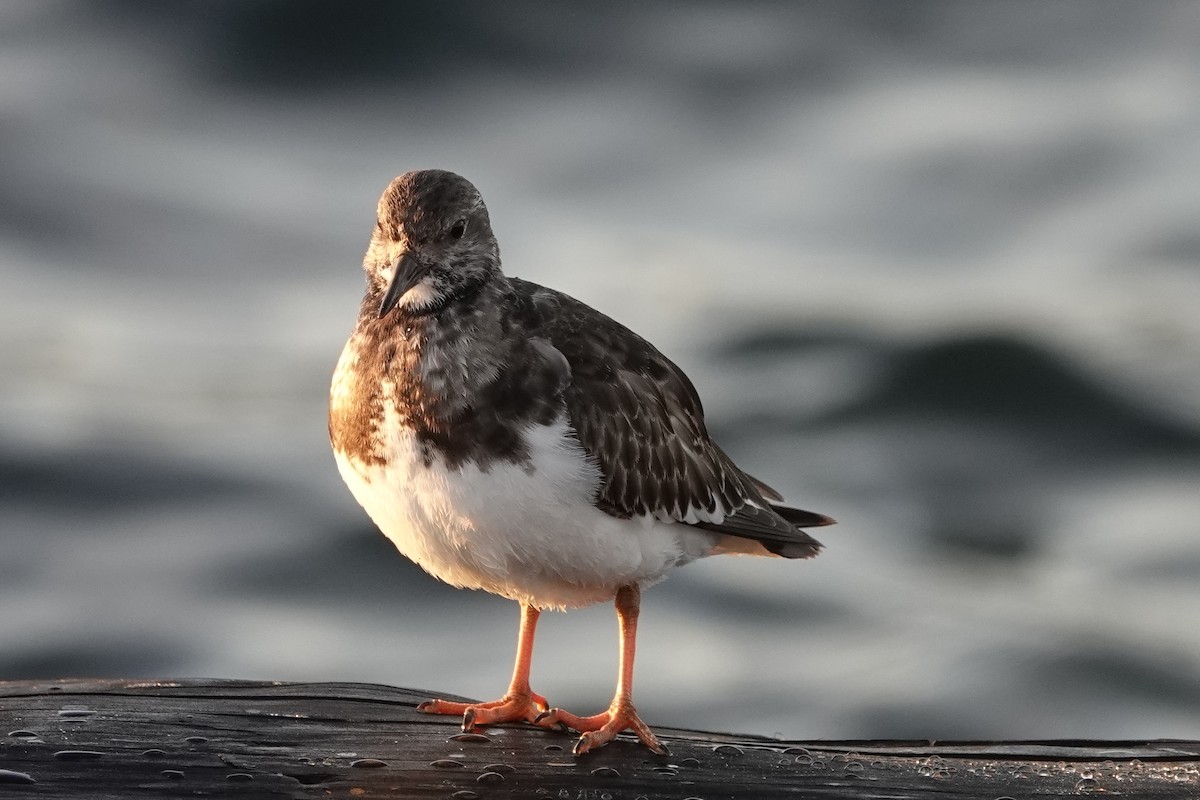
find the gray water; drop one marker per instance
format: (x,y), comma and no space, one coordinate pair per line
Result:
(933,266)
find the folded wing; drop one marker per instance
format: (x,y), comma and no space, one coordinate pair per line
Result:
(641,419)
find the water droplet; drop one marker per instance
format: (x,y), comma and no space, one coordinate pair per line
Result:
(465,794)
(23,734)
(446,763)
(666,772)
(490,777)
(78,755)
(12,776)
(727,750)
(74,713)
(470,737)
(154,752)
(503,769)
(1087,785)
(312,778)
(606,772)
(172,774)
(239,777)
(690,762)
(797,751)
(554,747)
(196,739)
(367,763)
(804,761)
(854,766)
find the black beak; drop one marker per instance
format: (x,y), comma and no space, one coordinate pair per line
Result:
(408,274)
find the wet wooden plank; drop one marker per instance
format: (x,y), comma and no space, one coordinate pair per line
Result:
(123,739)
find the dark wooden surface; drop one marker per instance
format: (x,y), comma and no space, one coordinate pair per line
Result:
(130,739)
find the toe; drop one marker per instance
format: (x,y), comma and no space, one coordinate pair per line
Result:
(646,736)
(550,720)
(556,716)
(436,706)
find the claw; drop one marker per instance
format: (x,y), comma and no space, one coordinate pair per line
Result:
(549,721)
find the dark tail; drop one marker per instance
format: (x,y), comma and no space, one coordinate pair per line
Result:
(801,518)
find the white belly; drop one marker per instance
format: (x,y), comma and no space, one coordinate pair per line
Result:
(531,535)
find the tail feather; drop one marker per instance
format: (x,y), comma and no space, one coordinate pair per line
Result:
(804,547)
(801,518)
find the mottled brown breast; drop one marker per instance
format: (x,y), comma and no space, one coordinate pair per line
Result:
(467,380)
(374,358)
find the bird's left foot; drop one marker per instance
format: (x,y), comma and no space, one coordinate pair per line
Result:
(513,707)
(600,729)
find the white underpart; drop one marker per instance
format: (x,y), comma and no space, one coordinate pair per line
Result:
(532,535)
(420,296)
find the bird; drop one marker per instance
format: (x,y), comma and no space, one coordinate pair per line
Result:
(508,437)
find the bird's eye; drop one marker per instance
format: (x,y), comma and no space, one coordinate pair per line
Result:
(459,229)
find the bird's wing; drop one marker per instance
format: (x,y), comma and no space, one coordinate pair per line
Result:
(641,419)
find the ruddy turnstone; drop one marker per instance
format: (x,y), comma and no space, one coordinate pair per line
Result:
(507,437)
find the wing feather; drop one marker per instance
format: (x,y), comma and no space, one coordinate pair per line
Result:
(640,417)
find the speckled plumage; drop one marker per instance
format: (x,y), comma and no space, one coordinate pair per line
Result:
(460,387)
(509,438)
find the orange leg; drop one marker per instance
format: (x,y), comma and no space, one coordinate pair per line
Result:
(520,704)
(600,729)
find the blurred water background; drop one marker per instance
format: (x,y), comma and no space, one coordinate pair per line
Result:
(934,267)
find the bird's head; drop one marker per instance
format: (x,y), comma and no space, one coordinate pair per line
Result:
(433,242)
